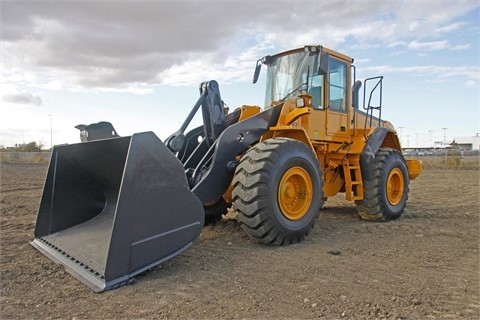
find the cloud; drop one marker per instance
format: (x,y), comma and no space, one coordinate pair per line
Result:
(461,47)
(470,76)
(428,46)
(397,44)
(130,45)
(450,27)
(23,98)
(471,84)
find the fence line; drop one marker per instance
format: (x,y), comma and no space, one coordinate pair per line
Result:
(447,162)
(25,157)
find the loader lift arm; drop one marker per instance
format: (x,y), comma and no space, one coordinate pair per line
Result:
(213,117)
(208,171)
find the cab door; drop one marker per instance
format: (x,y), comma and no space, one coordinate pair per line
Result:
(337,122)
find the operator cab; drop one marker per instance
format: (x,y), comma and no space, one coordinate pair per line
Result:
(317,71)
(303,70)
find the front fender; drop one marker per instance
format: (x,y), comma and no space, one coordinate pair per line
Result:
(215,176)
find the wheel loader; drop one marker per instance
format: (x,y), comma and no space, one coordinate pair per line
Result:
(113,207)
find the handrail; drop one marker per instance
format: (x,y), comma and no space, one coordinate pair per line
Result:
(369,108)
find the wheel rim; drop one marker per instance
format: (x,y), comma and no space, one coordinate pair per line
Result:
(295,193)
(395,186)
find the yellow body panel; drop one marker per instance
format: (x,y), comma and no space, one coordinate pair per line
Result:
(414,168)
(336,135)
(248,111)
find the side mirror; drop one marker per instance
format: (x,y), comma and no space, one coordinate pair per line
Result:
(257,70)
(323,68)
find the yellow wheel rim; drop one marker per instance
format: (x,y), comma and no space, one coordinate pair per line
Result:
(395,186)
(295,193)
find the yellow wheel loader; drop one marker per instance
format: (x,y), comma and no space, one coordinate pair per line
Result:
(113,207)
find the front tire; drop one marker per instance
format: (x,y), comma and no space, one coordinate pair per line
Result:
(386,192)
(278,191)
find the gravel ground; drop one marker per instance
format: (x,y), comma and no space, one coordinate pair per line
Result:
(426,265)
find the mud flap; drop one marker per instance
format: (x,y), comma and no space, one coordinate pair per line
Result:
(114,208)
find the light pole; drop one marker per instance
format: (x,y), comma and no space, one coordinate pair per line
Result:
(51,132)
(444,145)
(401,134)
(430,144)
(444,136)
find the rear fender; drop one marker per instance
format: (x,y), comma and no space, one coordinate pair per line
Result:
(381,137)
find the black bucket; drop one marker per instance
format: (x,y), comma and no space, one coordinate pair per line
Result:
(113,208)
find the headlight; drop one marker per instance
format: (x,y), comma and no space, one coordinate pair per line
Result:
(300,103)
(304,100)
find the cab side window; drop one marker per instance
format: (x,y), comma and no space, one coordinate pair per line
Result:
(316,91)
(338,85)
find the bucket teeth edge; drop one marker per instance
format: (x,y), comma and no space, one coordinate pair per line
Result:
(73,259)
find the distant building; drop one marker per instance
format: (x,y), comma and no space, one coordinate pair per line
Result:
(469,146)
(468,143)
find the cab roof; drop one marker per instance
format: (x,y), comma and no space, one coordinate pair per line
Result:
(314,48)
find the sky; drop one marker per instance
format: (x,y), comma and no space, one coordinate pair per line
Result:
(139,64)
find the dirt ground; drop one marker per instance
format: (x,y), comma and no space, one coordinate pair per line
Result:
(426,265)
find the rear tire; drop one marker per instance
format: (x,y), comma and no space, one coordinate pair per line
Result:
(278,191)
(386,192)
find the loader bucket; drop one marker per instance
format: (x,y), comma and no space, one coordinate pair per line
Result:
(113,208)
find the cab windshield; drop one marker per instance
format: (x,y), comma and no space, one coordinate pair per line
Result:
(290,75)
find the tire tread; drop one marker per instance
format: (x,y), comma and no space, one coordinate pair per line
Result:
(251,189)
(373,206)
